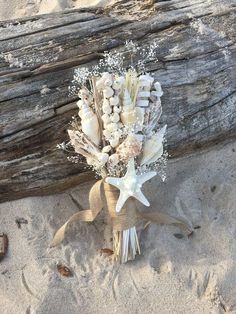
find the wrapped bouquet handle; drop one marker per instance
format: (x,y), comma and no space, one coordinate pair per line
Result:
(125,238)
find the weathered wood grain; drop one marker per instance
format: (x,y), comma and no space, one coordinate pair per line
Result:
(38,55)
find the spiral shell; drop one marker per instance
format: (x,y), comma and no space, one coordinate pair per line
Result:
(90,125)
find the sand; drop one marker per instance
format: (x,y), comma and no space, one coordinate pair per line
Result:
(188,275)
(13,9)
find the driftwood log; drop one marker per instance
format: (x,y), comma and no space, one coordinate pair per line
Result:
(38,56)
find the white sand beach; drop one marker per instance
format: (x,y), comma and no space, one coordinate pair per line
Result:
(188,275)
(13,9)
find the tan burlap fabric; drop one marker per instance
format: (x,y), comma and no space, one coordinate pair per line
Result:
(125,219)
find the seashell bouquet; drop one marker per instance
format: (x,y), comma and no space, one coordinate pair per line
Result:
(117,131)
(118,121)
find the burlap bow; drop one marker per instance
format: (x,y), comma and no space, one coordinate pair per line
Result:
(125,219)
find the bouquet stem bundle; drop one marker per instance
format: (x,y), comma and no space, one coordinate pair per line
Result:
(125,245)
(125,238)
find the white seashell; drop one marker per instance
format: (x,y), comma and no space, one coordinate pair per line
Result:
(114,159)
(108,81)
(129,148)
(114,101)
(102,158)
(146,78)
(140,113)
(139,137)
(100,84)
(111,127)
(127,108)
(108,92)
(106,102)
(114,141)
(115,117)
(90,161)
(107,76)
(144,94)
(106,118)
(116,109)
(159,91)
(117,84)
(143,103)
(145,82)
(128,118)
(106,133)
(90,125)
(106,149)
(80,103)
(106,109)
(85,96)
(153,148)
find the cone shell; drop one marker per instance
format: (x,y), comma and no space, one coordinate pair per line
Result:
(129,148)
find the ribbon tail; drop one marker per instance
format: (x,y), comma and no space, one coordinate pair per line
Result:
(161,218)
(87,215)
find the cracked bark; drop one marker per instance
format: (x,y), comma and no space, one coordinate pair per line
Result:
(196,68)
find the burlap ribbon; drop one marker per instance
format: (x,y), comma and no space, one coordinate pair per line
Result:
(125,219)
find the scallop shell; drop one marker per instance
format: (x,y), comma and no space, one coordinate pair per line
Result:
(153,148)
(129,148)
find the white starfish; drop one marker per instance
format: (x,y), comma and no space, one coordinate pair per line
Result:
(130,185)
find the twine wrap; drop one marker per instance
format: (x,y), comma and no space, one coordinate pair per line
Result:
(122,221)
(127,217)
